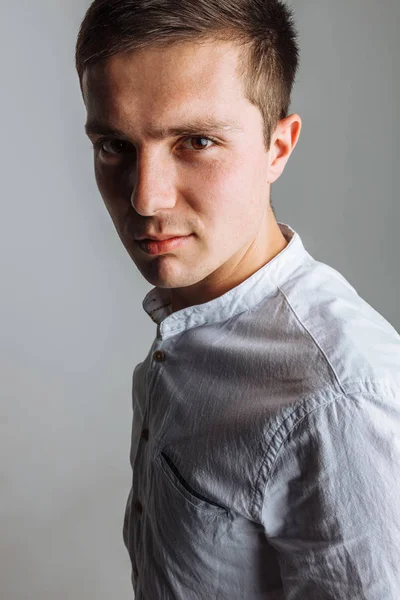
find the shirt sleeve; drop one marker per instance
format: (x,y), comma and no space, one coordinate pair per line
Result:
(331,502)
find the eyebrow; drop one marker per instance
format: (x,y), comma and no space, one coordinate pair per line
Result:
(207,125)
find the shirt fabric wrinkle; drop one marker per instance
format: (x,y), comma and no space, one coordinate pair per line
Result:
(265,445)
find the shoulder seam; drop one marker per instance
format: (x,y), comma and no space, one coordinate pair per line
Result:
(313,339)
(288,432)
(386,389)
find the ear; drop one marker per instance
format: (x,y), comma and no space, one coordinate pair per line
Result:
(283,143)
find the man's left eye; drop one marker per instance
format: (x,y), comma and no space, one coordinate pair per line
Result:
(200,140)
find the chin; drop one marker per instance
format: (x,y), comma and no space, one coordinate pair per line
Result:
(163,274)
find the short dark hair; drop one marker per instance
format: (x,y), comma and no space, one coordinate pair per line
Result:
(264,29)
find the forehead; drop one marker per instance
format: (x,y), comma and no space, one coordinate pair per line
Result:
(157,83)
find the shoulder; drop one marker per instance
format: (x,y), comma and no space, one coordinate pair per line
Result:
(358,343)
(338,363)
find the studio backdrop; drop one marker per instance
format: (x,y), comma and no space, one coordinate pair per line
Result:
(73,327)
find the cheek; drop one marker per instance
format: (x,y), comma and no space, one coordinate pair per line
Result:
(110,182)
(231,194)
(103,180)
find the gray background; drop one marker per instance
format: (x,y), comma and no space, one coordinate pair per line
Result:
(73,327)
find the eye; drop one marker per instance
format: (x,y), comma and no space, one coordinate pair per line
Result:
(200,141)
(112,147)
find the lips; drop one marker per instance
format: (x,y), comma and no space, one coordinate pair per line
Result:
(154,247)
(161,238)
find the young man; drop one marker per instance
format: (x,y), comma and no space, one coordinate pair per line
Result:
(266,415)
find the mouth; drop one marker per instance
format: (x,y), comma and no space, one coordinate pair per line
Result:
(160,238)
(161,246)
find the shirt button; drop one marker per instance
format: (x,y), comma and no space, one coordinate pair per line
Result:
(159,355)
(145,434)
(138,507)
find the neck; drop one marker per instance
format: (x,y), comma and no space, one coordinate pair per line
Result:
(257,255)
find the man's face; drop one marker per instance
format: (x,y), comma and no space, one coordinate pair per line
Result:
(184,184)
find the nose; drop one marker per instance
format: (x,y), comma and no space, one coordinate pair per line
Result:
(153,184)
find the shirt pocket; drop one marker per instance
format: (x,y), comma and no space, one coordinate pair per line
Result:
(190,537)
(184,489)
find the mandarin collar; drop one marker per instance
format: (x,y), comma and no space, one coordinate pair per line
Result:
(251,291)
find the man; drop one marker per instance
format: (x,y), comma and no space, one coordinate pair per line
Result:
(266,417)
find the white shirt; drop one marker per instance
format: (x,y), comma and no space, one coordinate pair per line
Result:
(266,443)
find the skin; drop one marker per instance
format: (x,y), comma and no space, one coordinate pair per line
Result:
(217,190)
